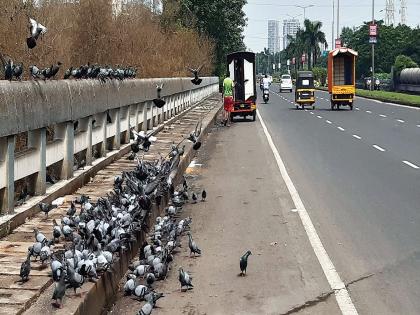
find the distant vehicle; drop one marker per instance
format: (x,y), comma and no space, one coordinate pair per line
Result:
(305,89)
(241,66)
(286,83)
(266,95)
(341,77)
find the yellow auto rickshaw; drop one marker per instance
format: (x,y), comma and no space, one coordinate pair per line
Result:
(305,89)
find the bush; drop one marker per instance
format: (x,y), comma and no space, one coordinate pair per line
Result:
(320,74)
(88,31)
(402,62)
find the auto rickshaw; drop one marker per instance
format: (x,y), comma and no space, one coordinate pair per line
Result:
(305,89)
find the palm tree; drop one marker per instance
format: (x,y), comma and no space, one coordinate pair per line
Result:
(296,47)
(312,36)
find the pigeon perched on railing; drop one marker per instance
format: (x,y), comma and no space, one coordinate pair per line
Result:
(158,101)
(196,80)
(8,70)
(36,29)
(35,72)
(18,71)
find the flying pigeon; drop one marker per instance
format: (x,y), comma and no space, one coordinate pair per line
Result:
(184,279)
(196,80)
(192,245)
(243,263)
(159,102)
(36,29)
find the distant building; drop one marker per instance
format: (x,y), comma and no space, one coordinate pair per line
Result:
(290,27)
(273,36)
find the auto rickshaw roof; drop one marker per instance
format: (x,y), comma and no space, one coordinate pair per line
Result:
(344,50)
(305,74)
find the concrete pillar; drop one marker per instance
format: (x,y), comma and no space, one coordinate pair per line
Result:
(128,109)
(7,158)
(37,140)
(137,118)
(88,133)
(104,123)
(144,114)
(65,132)
(154,116)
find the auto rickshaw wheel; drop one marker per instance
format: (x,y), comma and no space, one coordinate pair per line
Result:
(313,107)
(332,105)
(254,115)
(297,106)
(231,117)
(351,106)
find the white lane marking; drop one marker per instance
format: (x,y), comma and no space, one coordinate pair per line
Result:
(418,126)
(384,116)
(401,121)
(341,128)
(357,137)
(328,122)
(320,117)
(369,112)
(312,113)
(411,164)
(306,110)
(341,294)
(357,108)
(377,147)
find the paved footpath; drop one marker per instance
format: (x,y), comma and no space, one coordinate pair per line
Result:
(248,207)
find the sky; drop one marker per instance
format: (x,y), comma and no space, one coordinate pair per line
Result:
(352,13)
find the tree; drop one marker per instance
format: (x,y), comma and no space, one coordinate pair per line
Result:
(402,62)
(312,37)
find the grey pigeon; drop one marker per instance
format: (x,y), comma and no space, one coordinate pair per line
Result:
(18,71)
(203,195)
(59,291)
(46,208)
(192,245)
(243,263)
(25,269)
(75,280)
(185,279)
(8,70)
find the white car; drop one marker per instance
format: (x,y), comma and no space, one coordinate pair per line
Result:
(286,83)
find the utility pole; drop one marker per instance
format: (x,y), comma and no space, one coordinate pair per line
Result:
(403,12)
(332,29)
(338,19)
(372,79)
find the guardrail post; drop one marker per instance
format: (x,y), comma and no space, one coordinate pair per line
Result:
(154,116)
(115,117)
(88,129)
(104,123)
(7,157)
(37,140)
(126,138)
(65,132)
(137,108)
(144,114)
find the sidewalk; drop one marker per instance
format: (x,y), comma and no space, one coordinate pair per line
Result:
(248,207)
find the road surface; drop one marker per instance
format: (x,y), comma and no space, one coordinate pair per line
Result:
(358,175)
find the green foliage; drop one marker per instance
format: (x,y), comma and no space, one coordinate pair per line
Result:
(223,21)
(392,41)
(320,74)
(402,62)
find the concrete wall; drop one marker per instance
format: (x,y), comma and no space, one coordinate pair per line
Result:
(31,106)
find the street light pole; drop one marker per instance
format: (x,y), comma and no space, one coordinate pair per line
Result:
(304,7)
(332,29)
(338,19)
(372,82)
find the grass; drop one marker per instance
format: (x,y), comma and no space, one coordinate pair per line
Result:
(392,97)
(385,96)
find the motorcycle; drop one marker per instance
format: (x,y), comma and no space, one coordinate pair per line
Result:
(266,96)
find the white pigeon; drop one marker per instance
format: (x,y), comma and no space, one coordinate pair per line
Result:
(36,28)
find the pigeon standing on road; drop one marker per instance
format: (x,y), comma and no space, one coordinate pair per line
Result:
(195,72)
(59,291)
(203,195)
(192,245)
(194,197)
(25,268)
(185,279)
(243,263)
(36,29)
(46,208)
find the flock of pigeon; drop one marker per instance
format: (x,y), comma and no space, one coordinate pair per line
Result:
(88,71)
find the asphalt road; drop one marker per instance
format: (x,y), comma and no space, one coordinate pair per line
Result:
(358,175)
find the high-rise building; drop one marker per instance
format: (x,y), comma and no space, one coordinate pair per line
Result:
(273,36)
(290,27)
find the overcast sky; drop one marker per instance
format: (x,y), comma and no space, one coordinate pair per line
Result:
(352,13)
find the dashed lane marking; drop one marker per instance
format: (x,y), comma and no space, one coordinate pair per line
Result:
(312,113)
(369,112)
(357,137)
(377,147)
(328,122)
(411,165)
(401,121)
(320,117)
(341,128)
(357,108)
(342,295)
(384,116)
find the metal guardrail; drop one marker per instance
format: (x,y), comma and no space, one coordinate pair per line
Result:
(31,107)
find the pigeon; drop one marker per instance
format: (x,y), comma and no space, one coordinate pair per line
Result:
(140,291)
(35,72)
(39,237)
(46,208)
(75,280)
(196,80)
(18,71)
(192,245)
(130,284)
(56,230)
(45,253)
(36,29)
(25,269)
(203,195)
(49,179)
(243,263)
(72,210)
(59,291)
(184,279)
(150,279)
(35,249)
(194,197)
(147,308)
(54,70)
(159,102)
(56,268)
(67,73)
(8,70)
